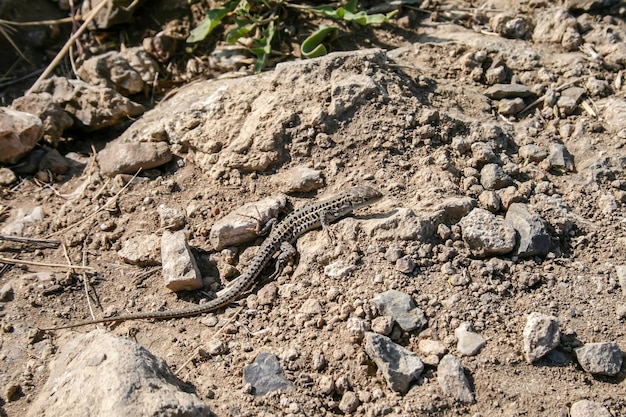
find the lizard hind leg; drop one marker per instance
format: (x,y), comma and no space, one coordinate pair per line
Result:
(287,252)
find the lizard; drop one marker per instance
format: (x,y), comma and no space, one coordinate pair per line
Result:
(281,237)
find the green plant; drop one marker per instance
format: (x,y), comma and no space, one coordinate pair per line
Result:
(258,19)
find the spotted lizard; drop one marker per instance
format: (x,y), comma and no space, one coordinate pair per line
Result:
(285,233)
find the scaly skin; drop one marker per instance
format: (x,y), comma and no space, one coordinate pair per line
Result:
(309,217)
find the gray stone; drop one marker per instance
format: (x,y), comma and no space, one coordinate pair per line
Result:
(493,177)
(570,97)
(432,347)
(299,179)
(487,234)
(128,158)
(600,358)
(452,380)
(532,153)
(240,225)
(401,224)
(469,343)
(265,374)
(19,133)
(339,269)
(141,250)
(500,91)
(614,116)
(405,265)
(99,374)
(586,408)
(559,159)
(180,270)
(490,201)
(541,335)
(534,239)
(401,307)
(454,208)
(398,365)
(111,70)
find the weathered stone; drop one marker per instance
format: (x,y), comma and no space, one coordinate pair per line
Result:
(19,133)
(452,380)
(534,239)
(112,70)
(487,234)
(586,408)
(500,91)
(339,269)
(265,374)
(299,179)
(559,159)
(432,347)
(54,119)
(171,218)
(469,343)
(349,402)
(240,225)
(54,162)
(600,358)
(532,153)
(398,365)
(483,152)
(402,308)
(621,276)
(493,177)
(402,224)
(614,116)
(541,335)
(510,106)
(99,374)
(405,265)
(128,158)
(141,250)
(180,270)
(91,107)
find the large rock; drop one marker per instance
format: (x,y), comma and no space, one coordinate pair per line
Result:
(487,234)
(586,408)
(19,133)
(99,374)
(398,365)
(180,270)
(55,120)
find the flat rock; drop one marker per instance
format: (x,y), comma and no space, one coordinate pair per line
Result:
(559,159)
(19,133)
(452,380)
(469,343)
(500,91)
(141,250)
(533,236)
(240,225)
(99,374)
(509,106)
(532,153)
(398,365)
(402,224)
(180,270)
(339,269)
(600,358)
(127,158)
(299,179)
(586,408)
(402,308)
(541,335)
(265,374)
(487,234)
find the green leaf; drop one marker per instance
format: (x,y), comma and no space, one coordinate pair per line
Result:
(264,48)
(349,13)
(244,27)
(313,46)
(213,18)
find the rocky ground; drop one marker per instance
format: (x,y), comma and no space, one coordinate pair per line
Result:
(489,281)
